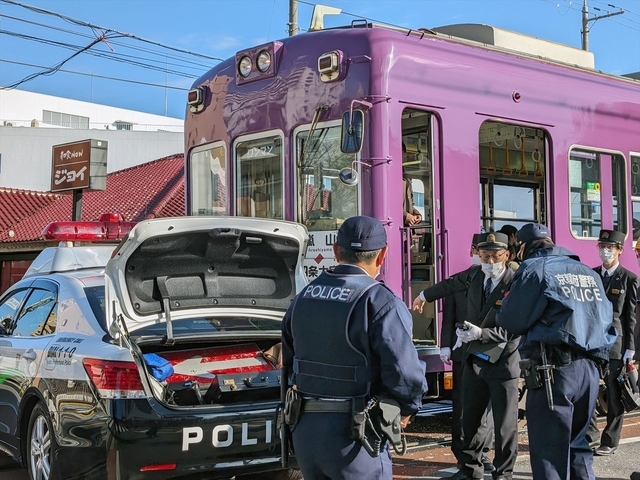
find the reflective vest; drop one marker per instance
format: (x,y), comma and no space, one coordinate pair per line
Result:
(326,363)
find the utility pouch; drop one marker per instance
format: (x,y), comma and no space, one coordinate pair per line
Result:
(386,420)
(560,356)
(531,375)
(361,427)
(292,407)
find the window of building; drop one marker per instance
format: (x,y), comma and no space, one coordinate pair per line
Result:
(123,125)
(65,120)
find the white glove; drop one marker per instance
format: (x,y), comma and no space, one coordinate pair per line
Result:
(458,343)
(445,355)
(469,335)
(628,355)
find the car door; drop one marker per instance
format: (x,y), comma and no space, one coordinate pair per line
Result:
(31,332)
(9,306)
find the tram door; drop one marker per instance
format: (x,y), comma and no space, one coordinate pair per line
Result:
(418,230)
(512,164)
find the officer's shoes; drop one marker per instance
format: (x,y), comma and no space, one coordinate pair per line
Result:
(594,445)
(603,451)
(488,464)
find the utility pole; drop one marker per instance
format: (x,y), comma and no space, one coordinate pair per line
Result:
(586,20)
(293,17)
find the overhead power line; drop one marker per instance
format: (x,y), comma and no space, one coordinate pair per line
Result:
(110,30)
(97,76)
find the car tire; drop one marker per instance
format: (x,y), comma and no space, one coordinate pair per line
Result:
(41,445)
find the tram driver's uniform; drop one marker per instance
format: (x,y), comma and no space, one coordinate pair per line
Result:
(347,335)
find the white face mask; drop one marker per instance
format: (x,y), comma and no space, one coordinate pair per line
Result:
(492,270)
(607,256)
(476,259)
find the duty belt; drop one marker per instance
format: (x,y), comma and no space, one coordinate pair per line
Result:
(316,405)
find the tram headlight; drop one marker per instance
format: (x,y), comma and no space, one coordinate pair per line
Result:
(264,61)
(245,65)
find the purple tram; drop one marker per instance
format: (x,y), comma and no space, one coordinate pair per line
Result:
(498,129)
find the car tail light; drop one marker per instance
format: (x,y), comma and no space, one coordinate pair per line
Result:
(158,468)
(115,379)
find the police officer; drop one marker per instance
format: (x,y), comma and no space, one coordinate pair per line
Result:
(491,371)
(621,288)
(454,311)
(561,307)
(346,337)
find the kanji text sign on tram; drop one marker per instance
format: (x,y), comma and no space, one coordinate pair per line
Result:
(79,165)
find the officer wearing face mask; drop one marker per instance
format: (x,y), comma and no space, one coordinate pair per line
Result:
(490,357)
(621,288)
(454,311)
(347,337)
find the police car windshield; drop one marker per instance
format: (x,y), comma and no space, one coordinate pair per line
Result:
(189,326)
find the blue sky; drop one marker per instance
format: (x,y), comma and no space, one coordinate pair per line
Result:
(218,28)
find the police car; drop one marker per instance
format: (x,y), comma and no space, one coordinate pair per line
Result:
(82,394)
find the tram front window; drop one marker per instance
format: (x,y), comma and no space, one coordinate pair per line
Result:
(323,201)
(259,178)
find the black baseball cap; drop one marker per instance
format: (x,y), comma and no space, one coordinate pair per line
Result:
(362,233)
(532,231)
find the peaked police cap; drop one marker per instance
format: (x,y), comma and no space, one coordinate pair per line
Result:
(494,241)
(611,237)
(362,234)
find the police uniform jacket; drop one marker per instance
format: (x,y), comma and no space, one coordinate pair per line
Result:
(482,313)
(455,305)
(622,292)
(379,327)
(557,300)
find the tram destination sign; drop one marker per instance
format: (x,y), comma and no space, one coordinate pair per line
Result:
(79,165)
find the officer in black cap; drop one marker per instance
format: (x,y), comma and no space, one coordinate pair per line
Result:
(454,310)
(347,337)
(491,371)
(621,288)
(560,305)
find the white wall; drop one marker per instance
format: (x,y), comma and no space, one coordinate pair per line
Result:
(21,108)
(25,153)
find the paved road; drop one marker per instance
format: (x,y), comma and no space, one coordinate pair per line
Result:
(438,462)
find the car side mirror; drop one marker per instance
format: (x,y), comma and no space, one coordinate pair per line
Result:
(352,131)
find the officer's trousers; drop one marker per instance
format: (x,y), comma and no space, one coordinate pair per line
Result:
(557,438)
(485,431)
(324,450)
(480,388)
(615,410)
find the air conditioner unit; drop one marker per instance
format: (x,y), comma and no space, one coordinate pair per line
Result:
(7,123)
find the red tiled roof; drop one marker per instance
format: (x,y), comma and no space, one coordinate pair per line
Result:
(153,189)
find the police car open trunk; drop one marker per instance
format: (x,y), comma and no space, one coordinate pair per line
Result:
(207,296)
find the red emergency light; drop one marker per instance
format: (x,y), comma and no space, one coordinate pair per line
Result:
(110,227)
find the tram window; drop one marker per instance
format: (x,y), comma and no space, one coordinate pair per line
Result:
(259,178)
(208,182)
(586,185)
(323,201)
(619,188)
(635,198)
(512,181)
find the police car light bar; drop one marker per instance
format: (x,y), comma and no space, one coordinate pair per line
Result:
(110,227)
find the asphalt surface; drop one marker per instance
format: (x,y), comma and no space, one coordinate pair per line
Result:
(429,456)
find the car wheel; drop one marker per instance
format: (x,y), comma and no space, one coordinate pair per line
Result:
(41,445)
